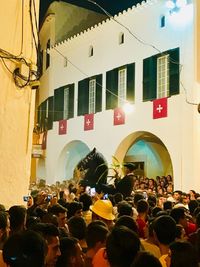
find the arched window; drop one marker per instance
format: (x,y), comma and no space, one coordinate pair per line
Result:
(91,51)
(121,38)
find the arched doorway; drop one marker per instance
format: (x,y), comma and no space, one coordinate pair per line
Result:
(148,152)
(69,157)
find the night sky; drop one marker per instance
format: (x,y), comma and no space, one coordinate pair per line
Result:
(112,6)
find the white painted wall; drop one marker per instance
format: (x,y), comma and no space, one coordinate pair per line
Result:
(16,105)
(178,131)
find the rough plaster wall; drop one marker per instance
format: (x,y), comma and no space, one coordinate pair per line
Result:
(16,106)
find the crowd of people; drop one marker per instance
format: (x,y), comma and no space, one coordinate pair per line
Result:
(70,225)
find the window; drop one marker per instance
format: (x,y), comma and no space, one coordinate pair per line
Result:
(121,87)
(47,54)
(163,76)
(65,62)
(66,103)
(91,51)
(121,38)
(162,21)
(92,93)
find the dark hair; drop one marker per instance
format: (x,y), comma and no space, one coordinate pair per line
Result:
(124,208)
(27,249)
(3,220)
(192,205)
(73,207)
(68,249)
(77,227)
(145,258)
(137,197)
(155,210)
(122,246)
(167,205)
(142,206)
(95,233)
(165,229)
(177,214)
(183,255)
(47,230)
(118,197)
(17,218)
(127,221)
(56,209)
(86,200)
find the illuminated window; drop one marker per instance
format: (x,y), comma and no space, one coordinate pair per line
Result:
(121,87)
(163,76)
(66,103)
(92,95)
(121,38)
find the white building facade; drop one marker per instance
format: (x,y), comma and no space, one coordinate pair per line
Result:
(147,56)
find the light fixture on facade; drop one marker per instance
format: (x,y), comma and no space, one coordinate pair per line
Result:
(128,108)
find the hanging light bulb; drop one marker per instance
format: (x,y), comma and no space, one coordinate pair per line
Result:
(128,108)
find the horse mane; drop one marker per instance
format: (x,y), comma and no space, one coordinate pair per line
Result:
(95,168)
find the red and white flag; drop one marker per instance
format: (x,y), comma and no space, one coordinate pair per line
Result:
(62,127)
(119,116)
(88,122)
(160,108)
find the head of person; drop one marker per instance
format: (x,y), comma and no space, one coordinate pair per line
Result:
(192,205)
(71,253)
(4,227)
(182,254)
(51,234)
(178,214)
(145,258)
(142,206)
(96,235)
(124,208)
(86,200)
(129,168)
(167,205)
(180,233)
(137,197)
(160,225)
(127,221)
(122,246)
(103,210)
(177,195)
(17,215)
(61,214)
(27,249)
(75,208)
(118,197)
(77,227)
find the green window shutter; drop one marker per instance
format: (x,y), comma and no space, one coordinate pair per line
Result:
(71,101)
(43,117)
(112,89)
(47,54)
(58,104)
(98,107)
(174,71)
(50,113)
(149,78)
(131,82)
(83,97)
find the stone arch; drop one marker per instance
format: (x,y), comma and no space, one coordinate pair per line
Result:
(145,147)
(69,157)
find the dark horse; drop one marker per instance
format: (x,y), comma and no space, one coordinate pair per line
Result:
(95,167)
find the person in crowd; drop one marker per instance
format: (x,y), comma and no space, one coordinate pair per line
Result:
(125,185)
(144,258)
(51,234)
(4,228)
(86,200)
(165,233)
(180,233)
(127,221)
(74,208)
(192,194)
(17,215)
(177,196)
(61,214)
(71,253)
(142,209)
(124,208)
(103,210)
(77,228)
(149,244)
(122,246)
(192,205)
(96,236)
(182,254)
(25,249)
